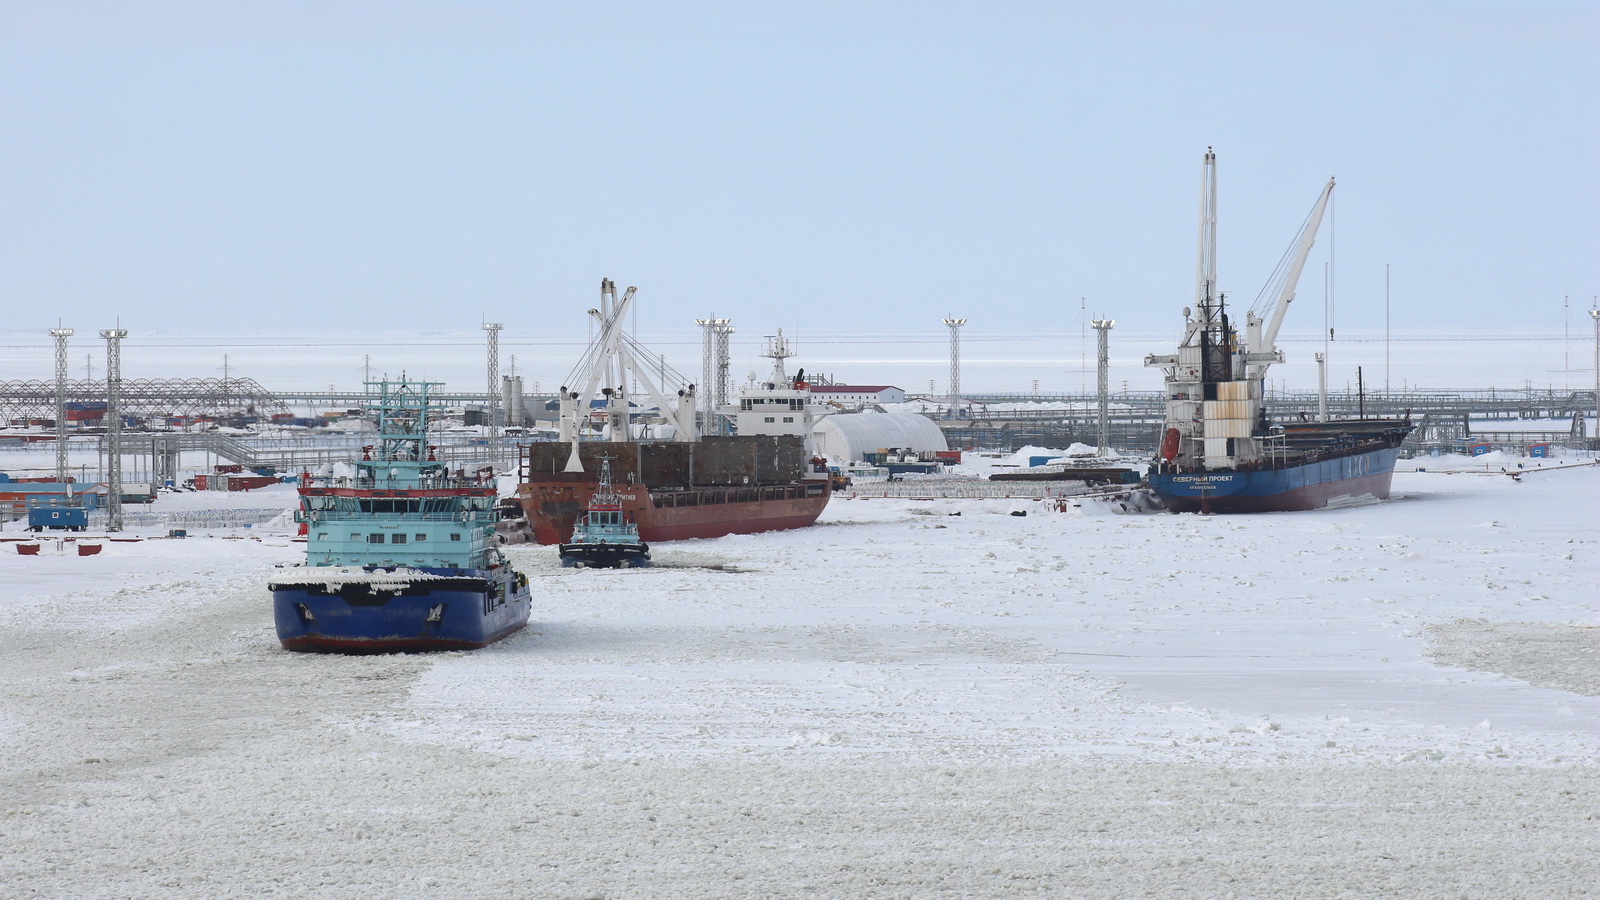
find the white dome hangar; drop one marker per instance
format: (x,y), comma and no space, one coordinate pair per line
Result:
(849,437)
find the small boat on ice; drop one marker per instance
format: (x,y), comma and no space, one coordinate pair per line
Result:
(605,537)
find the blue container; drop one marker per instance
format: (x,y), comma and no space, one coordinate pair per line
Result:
(69,518)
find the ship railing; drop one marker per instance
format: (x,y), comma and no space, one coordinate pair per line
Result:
(383,484)
(968,490)
(471,516)
(192,520)
(716,496)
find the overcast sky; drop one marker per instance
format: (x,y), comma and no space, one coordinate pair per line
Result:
(831,168)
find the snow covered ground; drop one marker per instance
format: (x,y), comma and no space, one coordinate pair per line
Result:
(912,699)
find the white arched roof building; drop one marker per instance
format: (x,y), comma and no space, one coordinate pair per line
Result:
(848,437)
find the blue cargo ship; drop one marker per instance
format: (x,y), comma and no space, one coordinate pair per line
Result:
(401,556)
(1219,451)
(1314,466)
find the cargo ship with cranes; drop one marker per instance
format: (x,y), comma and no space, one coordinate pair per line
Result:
(1219,451)
(674,477)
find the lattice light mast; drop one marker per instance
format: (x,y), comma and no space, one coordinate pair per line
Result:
(61,335)
(714,370)
(1102,328)
(114,338)
(1594,313)
(724,367)
(708,366)
(955,363)
(493,390)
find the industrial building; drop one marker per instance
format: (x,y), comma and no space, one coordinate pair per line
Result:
(855,396)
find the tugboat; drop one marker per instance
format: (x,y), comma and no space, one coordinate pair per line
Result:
(605,537)
(402,556)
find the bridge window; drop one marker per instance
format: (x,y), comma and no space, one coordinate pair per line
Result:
(397,539)
(455,535)
(375,538)
(421,537)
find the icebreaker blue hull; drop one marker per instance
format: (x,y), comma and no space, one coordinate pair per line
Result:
(459,612)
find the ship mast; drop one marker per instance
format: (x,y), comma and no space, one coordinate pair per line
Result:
(778,351)
(1206,262)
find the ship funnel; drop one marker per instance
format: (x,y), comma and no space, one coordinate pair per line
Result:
(574,462)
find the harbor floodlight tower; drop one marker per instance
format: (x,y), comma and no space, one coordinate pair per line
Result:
(114,338)
(955,363)
(61,335)
(1594,313)
(714,371)
(1102,328)
(494,389)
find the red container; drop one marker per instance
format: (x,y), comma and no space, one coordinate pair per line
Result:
(88,549)
(28,549)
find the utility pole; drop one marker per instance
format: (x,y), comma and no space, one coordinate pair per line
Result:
(114,338)
(1102,329)
(955,363)
(61,335)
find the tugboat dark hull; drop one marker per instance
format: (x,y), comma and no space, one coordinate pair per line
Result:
(605,555)
(455,613)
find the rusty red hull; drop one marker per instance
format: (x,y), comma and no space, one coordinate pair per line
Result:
(553,504)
